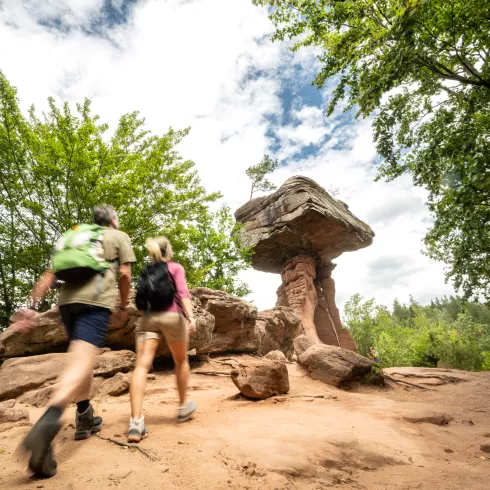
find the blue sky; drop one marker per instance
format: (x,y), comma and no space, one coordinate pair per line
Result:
(209,64)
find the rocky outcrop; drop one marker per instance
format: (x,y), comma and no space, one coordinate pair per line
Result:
(261,379)
(224,324)
(334,365)
(297,231)
(234,328)
(278,328)
(21,375)
(49,335)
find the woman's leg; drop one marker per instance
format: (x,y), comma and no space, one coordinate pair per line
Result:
(145,353)
(179,354)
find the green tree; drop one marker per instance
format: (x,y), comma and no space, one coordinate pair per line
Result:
(57,167)
(257,174)
(418,335)
(422,69)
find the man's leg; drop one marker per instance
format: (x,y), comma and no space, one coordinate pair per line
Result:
(86,328)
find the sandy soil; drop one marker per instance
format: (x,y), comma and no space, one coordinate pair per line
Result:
(357,439)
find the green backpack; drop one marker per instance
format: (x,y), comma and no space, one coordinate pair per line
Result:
(79,254)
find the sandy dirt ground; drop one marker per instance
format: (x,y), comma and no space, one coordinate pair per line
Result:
(316,437)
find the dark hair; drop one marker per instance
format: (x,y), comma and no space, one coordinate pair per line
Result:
(104,214)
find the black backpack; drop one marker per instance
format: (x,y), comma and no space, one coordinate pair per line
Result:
(156,288)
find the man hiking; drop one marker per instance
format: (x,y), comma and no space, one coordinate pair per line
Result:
(86,258)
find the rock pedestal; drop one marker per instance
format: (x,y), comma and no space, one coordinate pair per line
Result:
(297,231)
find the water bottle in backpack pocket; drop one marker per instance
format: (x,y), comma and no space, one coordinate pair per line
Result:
(79,254)
(156,288)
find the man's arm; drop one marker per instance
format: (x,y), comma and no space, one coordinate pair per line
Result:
(124,283)
(23,320)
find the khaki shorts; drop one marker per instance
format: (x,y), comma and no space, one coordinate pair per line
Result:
(169,324)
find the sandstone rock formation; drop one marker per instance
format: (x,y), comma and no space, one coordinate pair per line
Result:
(297,231)
(25,374)
(334,365)
(234,327)
(224,324)
(278,327)
(49,336)
(261,379)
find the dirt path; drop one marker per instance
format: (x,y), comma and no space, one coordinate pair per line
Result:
(353,440)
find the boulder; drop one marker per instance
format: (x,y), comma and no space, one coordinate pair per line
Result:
(301,344)
(24,374)
(115,386)
(278,328)
(334,365)
(261,379)
(235,322)
(276,355)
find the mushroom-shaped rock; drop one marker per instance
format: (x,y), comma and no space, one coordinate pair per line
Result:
(297,231)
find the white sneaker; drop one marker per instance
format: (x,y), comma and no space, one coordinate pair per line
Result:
(137,429)
(186,410)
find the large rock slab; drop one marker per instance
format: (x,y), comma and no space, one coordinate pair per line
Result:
(24,374)
(278,327)
(334,365)
(261,379)
(300,218)
(234,328)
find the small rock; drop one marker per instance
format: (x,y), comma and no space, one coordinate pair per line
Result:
(468,422)
(487,434)
(117,435)
(192,352)
(151,377)
(115,386)
(485,447)
(447,450)
(165,469)
(13,415)
(7,404)
(261,379)
(276,355)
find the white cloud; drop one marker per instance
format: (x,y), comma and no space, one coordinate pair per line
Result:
(209,64)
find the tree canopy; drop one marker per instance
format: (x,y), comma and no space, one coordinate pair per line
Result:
(422,69)
(257,174)
(56,167)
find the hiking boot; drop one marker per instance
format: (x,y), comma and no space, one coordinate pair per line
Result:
(38,443)
(137,429)
(186,410)
(86,424)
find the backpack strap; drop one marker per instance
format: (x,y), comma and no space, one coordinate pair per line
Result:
(176,297)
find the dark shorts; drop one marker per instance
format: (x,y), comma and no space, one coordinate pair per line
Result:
(86,322)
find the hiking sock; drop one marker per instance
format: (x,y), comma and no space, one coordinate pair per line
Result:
(82,406)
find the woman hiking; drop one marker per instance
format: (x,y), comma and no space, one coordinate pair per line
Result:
(163,299)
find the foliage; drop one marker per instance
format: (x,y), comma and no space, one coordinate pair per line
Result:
(423,69)
(210,251)
(57,167)
(258,172)
(446,333)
